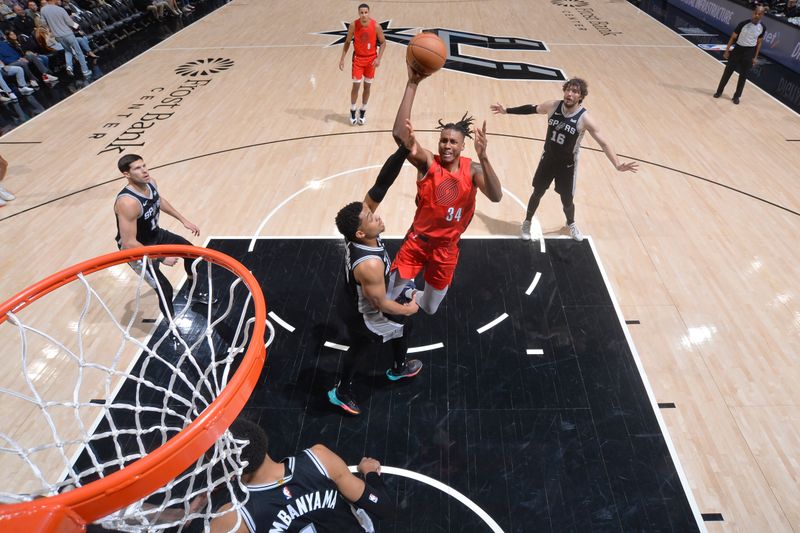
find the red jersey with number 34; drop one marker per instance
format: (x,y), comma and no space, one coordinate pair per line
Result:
(445,201)
(365,39)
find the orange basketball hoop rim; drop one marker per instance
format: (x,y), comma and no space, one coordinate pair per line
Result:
(71,510)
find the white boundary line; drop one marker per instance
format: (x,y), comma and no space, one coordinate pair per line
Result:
(535,281)
(493,323)
(285,325)
(313,184)
(426,348)
(653,403)
(450,491)
(340,347)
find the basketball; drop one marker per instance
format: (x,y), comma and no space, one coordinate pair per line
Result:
(426,53)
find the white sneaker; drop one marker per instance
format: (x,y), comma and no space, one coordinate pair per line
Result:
(34,84)
(26,90)
(352,117)
(5,195)
(575,233)
(525,231)
(362,118)
(49,78)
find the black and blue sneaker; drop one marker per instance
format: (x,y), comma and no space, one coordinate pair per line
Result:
(407,293)
(409,370)
(343,400)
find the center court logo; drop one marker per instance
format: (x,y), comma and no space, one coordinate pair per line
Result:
(129,128)
(204,67)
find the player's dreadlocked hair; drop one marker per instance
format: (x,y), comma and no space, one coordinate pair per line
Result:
(464,125)
(347,221)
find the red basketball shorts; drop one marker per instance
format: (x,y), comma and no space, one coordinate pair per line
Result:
(438,259)
(363,68)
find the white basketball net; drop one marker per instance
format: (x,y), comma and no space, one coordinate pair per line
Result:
(120,407)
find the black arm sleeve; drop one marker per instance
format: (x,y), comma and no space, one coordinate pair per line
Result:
(527,109)
(375,499)
(389,172)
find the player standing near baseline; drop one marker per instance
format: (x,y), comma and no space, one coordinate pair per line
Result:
(447,185)
(137,209)
(368,47)
(567,120)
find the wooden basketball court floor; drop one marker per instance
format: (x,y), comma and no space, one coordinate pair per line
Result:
(699,246)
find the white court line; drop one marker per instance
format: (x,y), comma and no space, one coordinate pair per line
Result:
(650,394)
(539,235)
(536,279)
(285,325)
(427,348)
(242,47)
(493,323)
(340,347)
(315,184)
(450,491)
(624,45)
(535,351)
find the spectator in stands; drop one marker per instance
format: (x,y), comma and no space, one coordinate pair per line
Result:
(47,44)
(151,6)
(61,26)
(22,23)
(5,196)
(5,11)
(791,10)
(19,76)
(748,36)
(24,56)
(71,8)
(6,94)
(33,12)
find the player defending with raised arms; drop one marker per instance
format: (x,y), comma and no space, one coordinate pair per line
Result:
(447,185)
(312,491)
(567,121)
(368,46)
(369,315)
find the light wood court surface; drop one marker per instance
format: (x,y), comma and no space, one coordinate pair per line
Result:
(710,273)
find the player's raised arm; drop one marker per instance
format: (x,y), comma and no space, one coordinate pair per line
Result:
(403,131)
(527,109)
(591,127)
(386,177)
(483,173)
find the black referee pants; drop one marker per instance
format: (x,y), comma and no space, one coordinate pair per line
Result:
(741,59)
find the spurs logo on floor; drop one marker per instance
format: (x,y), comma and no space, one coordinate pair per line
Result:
(460,61)
(204,67)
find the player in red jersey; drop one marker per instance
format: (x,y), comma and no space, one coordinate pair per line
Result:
(447,185)
(368,47)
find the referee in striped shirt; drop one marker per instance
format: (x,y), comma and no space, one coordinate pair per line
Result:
(748,35)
